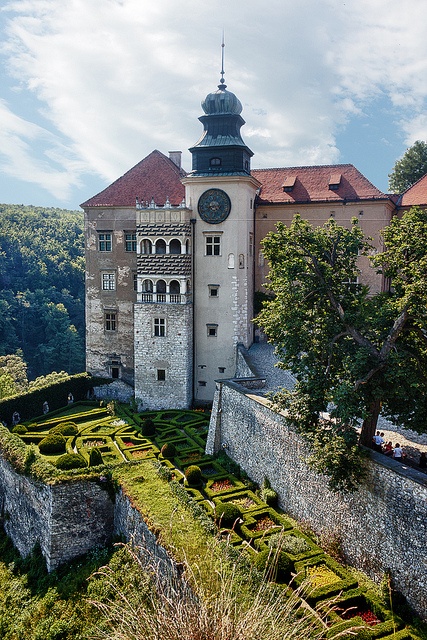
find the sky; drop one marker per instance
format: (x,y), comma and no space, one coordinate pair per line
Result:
(88,88)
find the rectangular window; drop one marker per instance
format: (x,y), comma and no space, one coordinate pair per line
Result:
(110,321)
(213,290)
(251,244)
(159,327)
(213,245)
(130,241)
(104,241)
(212,330)
(135,282)
(109,281)
(161,375)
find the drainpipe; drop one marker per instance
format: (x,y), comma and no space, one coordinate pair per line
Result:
(193,294)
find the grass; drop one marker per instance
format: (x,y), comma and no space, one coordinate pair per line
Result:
(213,568)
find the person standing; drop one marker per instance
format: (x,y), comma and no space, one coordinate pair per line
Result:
(398,453)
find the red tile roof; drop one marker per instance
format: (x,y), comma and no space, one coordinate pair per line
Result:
(312,184)
(156,176)
(415,196)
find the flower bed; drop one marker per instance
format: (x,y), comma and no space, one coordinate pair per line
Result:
(258,524)
(245,500)
(222,485)
(323,576)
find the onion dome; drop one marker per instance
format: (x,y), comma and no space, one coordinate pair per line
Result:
(222,102)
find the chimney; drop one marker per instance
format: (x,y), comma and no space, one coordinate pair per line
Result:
(175,156)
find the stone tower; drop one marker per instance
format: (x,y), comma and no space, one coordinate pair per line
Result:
(221,193)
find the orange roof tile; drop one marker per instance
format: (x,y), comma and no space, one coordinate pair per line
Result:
(312,184)
(156,176)
(415,196)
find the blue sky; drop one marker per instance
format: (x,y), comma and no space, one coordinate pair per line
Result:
(90,87)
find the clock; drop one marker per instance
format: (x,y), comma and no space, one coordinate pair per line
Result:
(214,206)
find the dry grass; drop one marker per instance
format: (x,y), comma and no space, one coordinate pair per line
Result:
(235,605)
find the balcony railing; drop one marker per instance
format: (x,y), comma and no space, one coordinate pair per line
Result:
(164,298)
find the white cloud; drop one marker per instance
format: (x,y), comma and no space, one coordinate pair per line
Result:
(115,79)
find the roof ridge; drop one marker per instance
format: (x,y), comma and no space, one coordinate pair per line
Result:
(308,166)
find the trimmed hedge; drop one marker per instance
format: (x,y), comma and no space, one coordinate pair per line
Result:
(227,514)
(52,443)
(70,461)
(193,475)
(275,565)
(168,450)
(30,404)
(65,429)
(148,428)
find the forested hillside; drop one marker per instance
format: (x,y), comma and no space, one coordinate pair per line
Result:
(42,287)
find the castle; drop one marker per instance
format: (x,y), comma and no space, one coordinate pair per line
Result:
(173,259)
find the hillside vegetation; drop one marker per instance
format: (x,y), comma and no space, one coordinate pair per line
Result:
(42,287)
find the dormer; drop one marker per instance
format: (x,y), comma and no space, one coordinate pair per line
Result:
(334,181)
(289,183)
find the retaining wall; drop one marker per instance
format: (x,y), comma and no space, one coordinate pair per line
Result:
(66,520)
(383,526)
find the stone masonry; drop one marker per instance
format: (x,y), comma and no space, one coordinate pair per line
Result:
(383,526)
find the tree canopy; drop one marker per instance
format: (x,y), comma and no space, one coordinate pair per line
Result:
(42,287)
(353,354)
(411,167)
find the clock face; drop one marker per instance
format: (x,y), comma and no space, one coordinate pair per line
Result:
(214,206)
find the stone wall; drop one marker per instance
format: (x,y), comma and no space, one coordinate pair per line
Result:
(383,526)
(69,519)
(129,523)
(66,520)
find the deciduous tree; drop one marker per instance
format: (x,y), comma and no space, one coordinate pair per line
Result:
(410,168)
(353,354)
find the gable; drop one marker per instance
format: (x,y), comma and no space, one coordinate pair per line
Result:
(155,177)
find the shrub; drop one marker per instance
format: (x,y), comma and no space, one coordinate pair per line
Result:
(290,544)
(70,461)
(65,429)
(276,566)
(95,457)
(19,429)
(52,443)
(168,450)
(193,475)
(148,428)
(267,493)
(226,514)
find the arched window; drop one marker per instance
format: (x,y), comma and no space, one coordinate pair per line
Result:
(147,286)
(241,261)
(174,291)
(160,246)
(174,246)
(146,246)
(231,260)
(161,291)
(174,286)
(147,291)
(187,247)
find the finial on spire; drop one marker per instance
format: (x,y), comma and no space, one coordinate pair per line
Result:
(222,84)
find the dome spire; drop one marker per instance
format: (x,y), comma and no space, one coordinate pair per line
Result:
(222,84)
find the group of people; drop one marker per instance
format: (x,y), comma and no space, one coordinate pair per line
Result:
(396,452)
(380,445)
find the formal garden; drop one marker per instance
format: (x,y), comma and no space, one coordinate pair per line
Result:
(86,438)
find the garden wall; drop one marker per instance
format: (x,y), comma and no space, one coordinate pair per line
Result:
(129,523)
(69,519)
(66,519)
(383,526)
